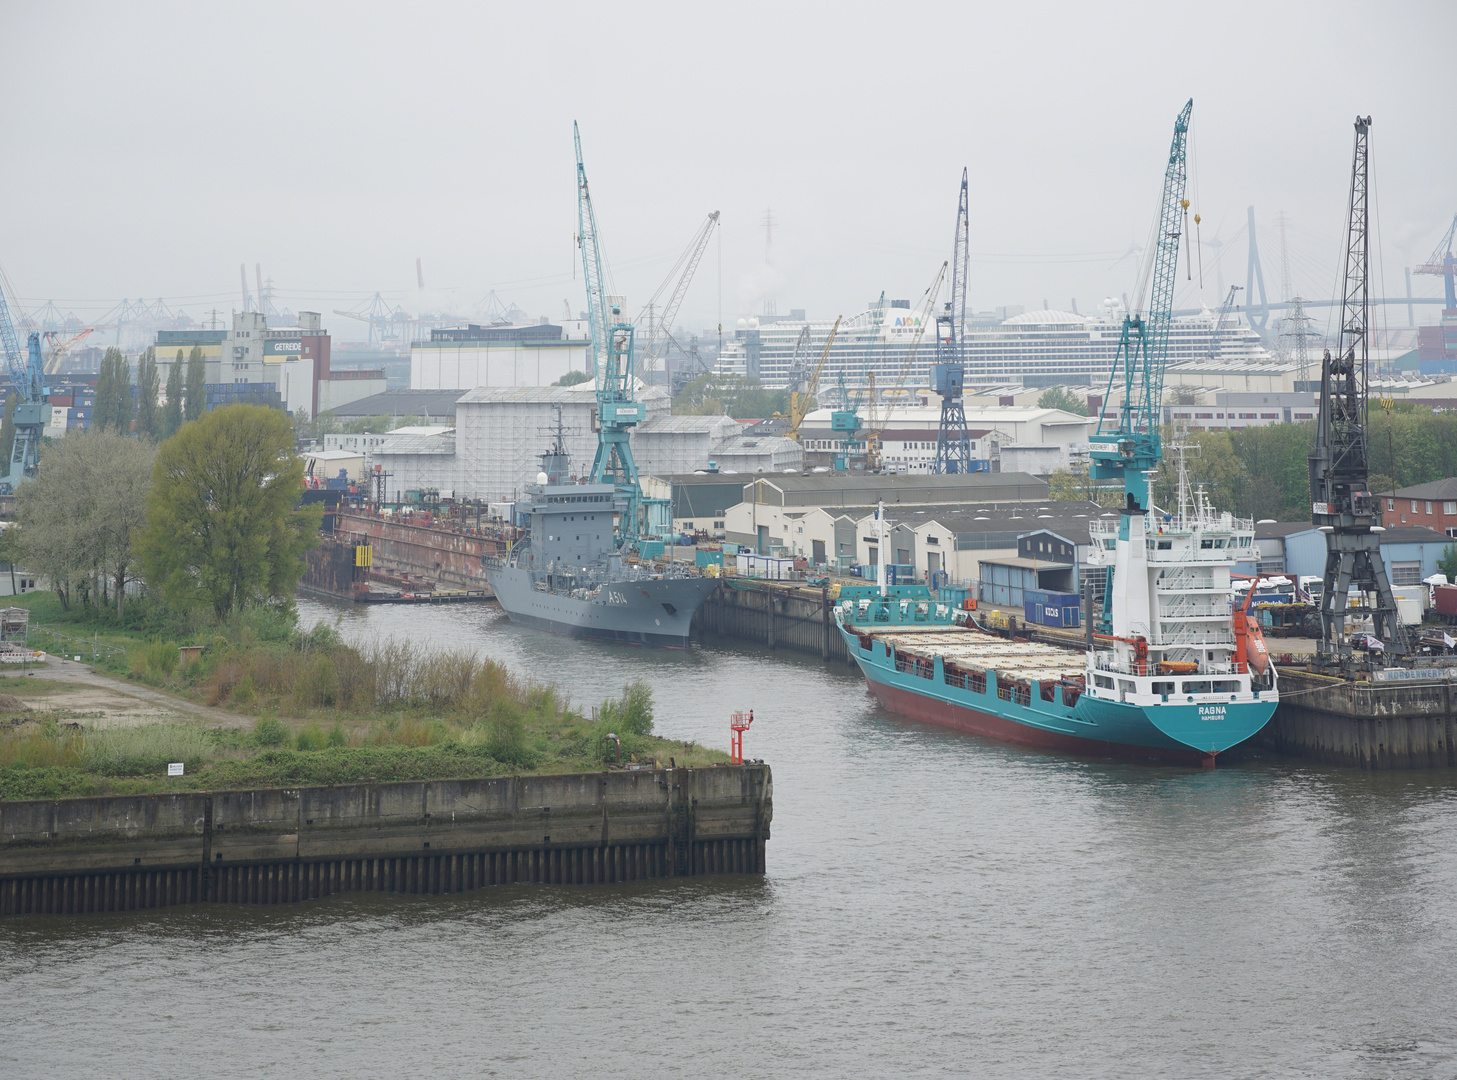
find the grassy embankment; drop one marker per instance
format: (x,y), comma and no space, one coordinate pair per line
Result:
(317,711)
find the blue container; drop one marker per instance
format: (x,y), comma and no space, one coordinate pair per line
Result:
(651,549)
(708,558)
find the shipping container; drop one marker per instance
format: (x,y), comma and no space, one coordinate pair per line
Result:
(1050,608)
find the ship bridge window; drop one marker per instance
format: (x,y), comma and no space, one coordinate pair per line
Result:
(1226,686)
(1103,681)
(1164,688)
(1201,687)
(1219,543)
(1166,545)
(1207,543)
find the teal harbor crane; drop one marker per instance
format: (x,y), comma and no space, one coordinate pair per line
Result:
(613,363)
(32,414)
(1132,452)
(846,421)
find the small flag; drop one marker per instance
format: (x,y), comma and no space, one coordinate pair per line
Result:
(1448,641)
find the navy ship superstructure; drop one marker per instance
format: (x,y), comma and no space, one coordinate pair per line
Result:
(570,574)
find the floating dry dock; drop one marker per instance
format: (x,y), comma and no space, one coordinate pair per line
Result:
(280,845)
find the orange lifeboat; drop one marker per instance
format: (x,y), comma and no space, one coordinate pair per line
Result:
(1177,667)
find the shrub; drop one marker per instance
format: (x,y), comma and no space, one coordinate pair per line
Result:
(337,736)
(270,731)
(630,714)
(311,738)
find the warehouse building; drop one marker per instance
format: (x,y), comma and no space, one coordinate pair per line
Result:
(466,357)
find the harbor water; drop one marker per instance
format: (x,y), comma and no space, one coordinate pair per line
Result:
(935,904)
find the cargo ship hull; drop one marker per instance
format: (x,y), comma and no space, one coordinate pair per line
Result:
(653,611)
(908,676)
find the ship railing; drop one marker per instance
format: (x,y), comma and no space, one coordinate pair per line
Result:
(1182,606)
(493,562)
(1194,635)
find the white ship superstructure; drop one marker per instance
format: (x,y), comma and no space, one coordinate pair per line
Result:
(1173,636)
(1037,348)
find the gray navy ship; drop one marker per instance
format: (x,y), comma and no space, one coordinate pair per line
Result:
(568,574)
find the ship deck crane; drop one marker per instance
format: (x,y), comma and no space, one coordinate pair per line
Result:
(680,276)
(948,377)
(801,402)
(877,422)
(1131,453)
(1342,505)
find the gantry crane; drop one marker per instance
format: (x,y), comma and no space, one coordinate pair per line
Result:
(1133,451)
(1342,507)
(27,377)
(680,276)
(948,377)
(801,402)
(877,422)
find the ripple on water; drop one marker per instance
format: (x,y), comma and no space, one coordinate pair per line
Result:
(935,904)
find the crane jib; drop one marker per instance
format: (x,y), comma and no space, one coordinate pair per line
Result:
(1135,448)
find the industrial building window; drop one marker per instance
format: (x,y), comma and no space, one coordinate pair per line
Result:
(1406,573)
(1429,508)
(1449,508)
(1413,506)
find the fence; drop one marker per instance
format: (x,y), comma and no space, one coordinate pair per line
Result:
(69,645)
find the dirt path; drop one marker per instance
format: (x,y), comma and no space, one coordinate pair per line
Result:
(103,701)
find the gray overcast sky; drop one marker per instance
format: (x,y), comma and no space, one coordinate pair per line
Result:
(153,147)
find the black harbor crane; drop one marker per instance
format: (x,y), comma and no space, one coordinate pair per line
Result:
(1342,506)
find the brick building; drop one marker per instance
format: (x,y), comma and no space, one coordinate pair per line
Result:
(1433,505)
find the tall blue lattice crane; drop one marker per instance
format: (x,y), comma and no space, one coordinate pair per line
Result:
(612,366)
(27,376)
(953,443)
(1133,451)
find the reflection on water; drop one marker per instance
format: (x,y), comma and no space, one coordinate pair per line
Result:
(935,904)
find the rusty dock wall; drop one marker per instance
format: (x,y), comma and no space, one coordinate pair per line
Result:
(1405,725)
(281,845)
(777,615)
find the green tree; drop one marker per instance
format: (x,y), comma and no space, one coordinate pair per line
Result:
(10,550)
(1076,485)
(7,432)
(148,387)
(103,409)
(78,516)
(1059,397)
(172,411)
(573,378)
(196,400)
(1447,564)
(224,524)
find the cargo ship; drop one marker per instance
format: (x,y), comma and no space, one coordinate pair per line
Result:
(1176,675)
(572,574)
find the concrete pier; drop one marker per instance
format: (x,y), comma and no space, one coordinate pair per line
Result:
(1367,725)
(281,845)
(775,614)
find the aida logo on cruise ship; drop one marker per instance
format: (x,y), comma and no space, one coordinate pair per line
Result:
(908,320)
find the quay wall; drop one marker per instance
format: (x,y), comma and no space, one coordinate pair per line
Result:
(776,615)
(446,558)
(1366,725)
(281,845)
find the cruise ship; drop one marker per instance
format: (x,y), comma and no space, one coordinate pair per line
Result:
(1035,348)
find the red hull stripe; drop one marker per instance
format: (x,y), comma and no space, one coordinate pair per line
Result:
(945,714)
